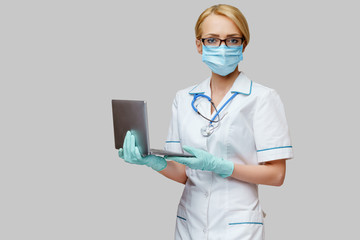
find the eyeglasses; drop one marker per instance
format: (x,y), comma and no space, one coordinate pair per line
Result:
(229,42)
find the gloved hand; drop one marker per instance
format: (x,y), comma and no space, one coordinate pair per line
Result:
(205,161)
(131,154)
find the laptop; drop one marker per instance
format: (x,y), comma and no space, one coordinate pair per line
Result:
(131,115)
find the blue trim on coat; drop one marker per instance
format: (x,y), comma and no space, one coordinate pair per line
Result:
(181,218)
(236,223)
(172,142)
(266,149)
(195,92)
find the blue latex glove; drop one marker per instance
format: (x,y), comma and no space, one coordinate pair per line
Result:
(131,154)
(205,161)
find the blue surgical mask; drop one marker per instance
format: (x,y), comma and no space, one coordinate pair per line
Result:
(222,60)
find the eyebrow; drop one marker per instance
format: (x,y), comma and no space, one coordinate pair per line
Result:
(217,35)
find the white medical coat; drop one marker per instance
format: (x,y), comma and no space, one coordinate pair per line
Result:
(253,130)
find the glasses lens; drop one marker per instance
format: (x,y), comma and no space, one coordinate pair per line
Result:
(212,42)
(233,42)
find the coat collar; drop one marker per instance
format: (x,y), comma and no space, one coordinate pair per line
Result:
(242,85)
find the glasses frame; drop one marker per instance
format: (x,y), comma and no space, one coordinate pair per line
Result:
(223,40)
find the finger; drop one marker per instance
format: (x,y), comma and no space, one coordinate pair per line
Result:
(126,145)
(121,153)
(171,157)
(137,153)
(190,150)
(132,147)
(181,160)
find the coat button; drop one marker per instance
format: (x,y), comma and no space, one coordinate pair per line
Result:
(204,230)
(206,194)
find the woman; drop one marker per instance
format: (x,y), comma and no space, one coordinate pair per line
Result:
(235,128)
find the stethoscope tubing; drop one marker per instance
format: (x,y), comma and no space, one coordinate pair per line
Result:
(196,96)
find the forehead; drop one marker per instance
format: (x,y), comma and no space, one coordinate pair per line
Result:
(218,24)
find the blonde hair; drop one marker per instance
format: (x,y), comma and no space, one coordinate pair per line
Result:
(228,11)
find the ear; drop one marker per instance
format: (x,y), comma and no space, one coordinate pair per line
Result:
(198,45)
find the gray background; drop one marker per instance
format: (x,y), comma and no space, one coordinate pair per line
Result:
(63,61)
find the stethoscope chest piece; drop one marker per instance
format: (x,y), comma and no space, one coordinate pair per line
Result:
(206,131)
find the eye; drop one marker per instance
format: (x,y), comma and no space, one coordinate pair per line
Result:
(211,40)
(233,40)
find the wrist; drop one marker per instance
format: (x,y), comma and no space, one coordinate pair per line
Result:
(226,169)
(156,162)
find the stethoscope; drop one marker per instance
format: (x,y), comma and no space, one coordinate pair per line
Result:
(207,130)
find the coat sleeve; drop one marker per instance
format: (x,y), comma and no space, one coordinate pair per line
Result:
(271,131)
(173,143)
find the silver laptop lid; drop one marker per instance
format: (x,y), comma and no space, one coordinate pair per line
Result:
(131,115)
